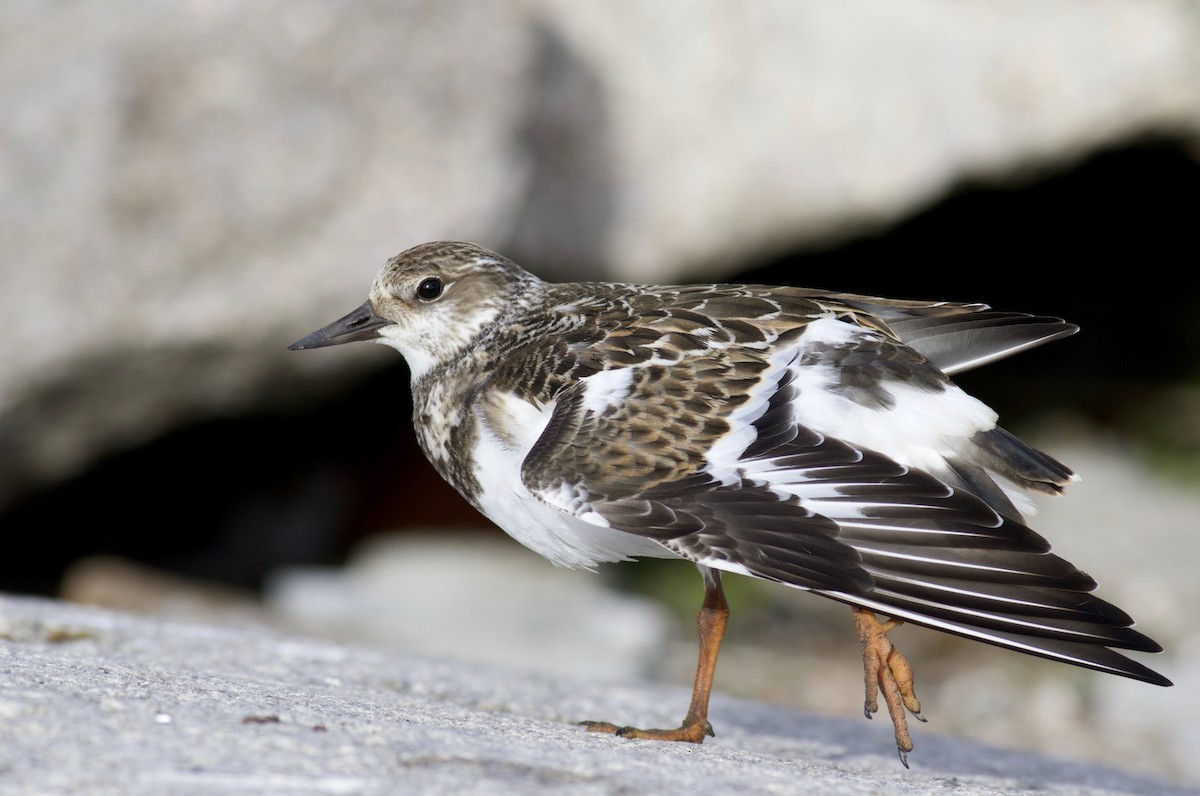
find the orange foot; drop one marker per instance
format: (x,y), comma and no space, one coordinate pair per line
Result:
(690,731)
(887,671)
(710,623)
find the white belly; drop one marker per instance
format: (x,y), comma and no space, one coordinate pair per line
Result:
(548,531)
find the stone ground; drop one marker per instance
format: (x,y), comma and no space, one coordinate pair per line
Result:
(99,702)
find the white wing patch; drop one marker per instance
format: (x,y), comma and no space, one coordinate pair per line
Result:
(606,389)
(920,429)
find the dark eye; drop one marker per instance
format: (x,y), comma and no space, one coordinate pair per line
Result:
(429,289)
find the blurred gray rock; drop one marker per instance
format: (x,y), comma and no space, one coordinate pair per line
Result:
(1133,528)
(736,132)
(189,187)
(99,702)
(475,597)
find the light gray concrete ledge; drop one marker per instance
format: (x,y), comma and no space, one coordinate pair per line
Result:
(97,702)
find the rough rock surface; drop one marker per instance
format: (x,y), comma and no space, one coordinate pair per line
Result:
(187,186)
(106,703)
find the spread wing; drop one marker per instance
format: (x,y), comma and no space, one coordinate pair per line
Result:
(715,449)
(955,337)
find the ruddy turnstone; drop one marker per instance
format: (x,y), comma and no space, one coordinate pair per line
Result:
(800,436)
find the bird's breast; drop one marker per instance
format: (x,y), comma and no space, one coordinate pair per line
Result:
(515,422)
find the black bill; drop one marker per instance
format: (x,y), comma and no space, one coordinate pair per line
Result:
(362,324)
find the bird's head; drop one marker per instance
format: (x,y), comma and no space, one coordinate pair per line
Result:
(430,303)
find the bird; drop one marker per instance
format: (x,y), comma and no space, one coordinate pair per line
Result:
(801,436)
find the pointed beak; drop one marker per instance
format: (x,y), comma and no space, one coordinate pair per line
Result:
(362,324)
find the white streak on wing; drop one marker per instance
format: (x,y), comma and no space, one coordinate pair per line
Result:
(606,389)
(819,493)
(908,530)
(798,484)
(725,454)
(929,584)
(838,508)
(1017,625)
(948,562)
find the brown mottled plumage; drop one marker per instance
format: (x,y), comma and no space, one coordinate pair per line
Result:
(800,436)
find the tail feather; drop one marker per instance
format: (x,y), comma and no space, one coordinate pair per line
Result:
(1026,466)
(956,343)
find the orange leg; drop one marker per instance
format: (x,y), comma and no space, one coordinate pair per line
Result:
(711,620)
(887,671)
